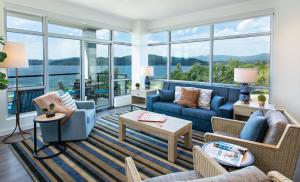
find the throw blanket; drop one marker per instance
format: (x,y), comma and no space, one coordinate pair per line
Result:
(45,100)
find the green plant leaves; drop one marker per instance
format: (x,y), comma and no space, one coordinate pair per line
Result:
(3,56)
(3,81)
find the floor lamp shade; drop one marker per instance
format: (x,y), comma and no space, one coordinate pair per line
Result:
(16,55)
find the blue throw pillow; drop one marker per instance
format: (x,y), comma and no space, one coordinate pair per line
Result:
(166,95)
(257,113)
(255,129)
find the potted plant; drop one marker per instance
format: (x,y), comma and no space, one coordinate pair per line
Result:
(137,85)
(49,112)
(3,56)
(261,100)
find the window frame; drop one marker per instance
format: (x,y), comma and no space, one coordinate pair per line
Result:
(211,39)
(45,35)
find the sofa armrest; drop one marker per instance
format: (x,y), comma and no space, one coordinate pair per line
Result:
(85,104)
(226,110)
(227,125)
(216,103)
(132,174)
(151,100)
(278,177)
(206,165)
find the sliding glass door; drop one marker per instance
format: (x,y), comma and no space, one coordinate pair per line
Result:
(97,74)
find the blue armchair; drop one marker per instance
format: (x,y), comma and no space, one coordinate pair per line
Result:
(78,127)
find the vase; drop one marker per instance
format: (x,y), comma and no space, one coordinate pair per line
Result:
(50,114)
(261,103)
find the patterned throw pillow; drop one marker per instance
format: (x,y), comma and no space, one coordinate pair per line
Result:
(67,99)
(205,98)
(189,98)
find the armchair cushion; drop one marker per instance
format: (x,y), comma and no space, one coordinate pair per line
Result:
(250,173)
(166,95)
(255,128)
(217,102)
(180,176)
(277,123)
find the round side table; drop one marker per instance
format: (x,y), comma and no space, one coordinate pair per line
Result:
(248,158)
(43,119)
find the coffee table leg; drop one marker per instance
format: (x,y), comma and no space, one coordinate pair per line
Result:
(122,130)
(172,149)
(188,139)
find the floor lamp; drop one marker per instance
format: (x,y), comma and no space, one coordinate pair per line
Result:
(16,58)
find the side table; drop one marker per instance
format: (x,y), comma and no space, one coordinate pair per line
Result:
(43,119)
(139,97)
(248,159)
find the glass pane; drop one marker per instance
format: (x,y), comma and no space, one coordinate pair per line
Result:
(97,78)
(61,29)
(191,33)
(33,75)
(252,25)
(241,53)
(25,98)
(64,65)
(122,61)
(122,37)
(255,92)
(103,34)
(156,84)
(158,37)
(24,22)
(157,57)
(122,87)
(190,61)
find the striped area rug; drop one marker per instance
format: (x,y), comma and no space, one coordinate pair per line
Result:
(101,157)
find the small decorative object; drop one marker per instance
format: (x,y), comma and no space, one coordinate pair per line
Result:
(49,112)
(245,76)
(261,100)
(137,86)
(148,71)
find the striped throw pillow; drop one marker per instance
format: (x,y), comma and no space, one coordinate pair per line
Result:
(68,101)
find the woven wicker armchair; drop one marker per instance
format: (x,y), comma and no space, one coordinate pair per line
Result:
(281,157)
(203,163)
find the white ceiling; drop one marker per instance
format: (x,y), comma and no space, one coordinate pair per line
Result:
(151,9)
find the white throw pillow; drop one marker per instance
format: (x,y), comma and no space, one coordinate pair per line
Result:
(68,101)
(204,97)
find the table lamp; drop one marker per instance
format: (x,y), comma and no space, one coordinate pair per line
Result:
(147,72)
(16,58)
(245,76)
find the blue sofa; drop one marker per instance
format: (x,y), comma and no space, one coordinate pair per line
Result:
(78,126)
(222,102)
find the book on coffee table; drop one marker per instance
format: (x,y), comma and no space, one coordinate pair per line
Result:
(152,117)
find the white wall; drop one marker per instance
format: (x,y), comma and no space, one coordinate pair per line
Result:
(285,72)
(69,13)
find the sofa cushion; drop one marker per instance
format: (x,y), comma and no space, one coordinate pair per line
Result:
(255,128)
(200,113)
(250,173)
(167,106)
(179,176)
(189,98)
(166,95)
(277,123)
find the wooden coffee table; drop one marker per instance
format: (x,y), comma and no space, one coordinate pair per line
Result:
(172,129)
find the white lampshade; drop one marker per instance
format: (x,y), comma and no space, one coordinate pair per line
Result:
(245,75)
(16,55)
(148,71)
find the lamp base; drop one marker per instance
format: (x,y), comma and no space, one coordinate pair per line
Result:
(245,93)
(15,136)
(147,83)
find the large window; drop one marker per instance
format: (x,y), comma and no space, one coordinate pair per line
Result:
(60,54)
(210,53)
